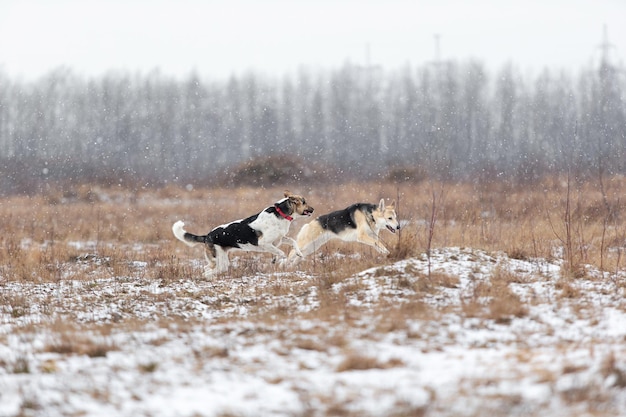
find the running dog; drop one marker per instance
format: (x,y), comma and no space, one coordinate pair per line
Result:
(361,222)
(262,232)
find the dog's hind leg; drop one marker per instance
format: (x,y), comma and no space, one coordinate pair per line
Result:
(221,260)
(311,237)
(308,248)
(316,243)
(211,264)
(294,256)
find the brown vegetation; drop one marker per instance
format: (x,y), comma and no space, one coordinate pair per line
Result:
(91,227)
(85,233)
(82,239)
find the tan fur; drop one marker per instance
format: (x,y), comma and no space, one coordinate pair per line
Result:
(312,235)
(297,203)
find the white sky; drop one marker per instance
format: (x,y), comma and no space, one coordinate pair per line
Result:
(219,38)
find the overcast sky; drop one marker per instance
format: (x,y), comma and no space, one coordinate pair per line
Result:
(220,38)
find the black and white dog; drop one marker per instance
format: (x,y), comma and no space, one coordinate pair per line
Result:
(262,232)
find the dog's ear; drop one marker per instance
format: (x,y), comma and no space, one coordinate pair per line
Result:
(288,193)
(393,204)
(381,205)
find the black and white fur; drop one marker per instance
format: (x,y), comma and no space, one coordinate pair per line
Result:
(360,222)
(262,232)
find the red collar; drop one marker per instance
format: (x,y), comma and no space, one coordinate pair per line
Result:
(283,215)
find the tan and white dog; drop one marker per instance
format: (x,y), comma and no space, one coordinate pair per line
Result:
(262,232)
(361,222)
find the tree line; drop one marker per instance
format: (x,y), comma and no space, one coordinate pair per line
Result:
(451,120)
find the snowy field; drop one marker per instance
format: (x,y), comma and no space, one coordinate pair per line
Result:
(482,335)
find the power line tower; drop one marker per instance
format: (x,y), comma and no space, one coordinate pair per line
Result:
(605,48)
(609,117)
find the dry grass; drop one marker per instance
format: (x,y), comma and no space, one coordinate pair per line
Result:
(85,233)
(86,239)
(526,223)
(357,361)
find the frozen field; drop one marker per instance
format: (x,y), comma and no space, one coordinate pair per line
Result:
(483,335)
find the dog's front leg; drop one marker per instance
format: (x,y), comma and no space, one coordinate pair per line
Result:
(273,250)
(381,248)
(368,240)
(294,245)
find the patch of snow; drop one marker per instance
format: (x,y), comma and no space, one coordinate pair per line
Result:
(195,347)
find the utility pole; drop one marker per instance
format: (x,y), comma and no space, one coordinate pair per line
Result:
(605,47)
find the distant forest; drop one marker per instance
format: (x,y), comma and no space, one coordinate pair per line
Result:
(447,120)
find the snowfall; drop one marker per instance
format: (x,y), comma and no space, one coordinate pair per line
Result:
(189,346)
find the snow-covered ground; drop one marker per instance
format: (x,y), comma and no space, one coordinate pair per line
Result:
(389,341)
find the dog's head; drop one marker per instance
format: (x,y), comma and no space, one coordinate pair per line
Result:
(297,205)
(385,216)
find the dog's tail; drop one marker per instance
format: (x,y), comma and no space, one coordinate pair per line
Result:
(187,238)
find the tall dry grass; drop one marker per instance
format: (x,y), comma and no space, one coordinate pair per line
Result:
(86,233)
(42,232)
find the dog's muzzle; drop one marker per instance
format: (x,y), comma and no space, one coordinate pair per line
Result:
(392,230)
(308,212)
